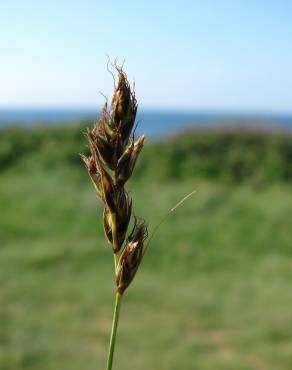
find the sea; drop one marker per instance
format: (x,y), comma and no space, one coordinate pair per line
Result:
(152,123)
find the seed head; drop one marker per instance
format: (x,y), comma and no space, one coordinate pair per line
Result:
(113,154)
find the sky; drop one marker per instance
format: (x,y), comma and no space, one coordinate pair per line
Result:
(182,55)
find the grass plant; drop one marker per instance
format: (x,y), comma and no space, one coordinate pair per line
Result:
(113,154)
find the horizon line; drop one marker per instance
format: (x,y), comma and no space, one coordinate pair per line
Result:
(146,109)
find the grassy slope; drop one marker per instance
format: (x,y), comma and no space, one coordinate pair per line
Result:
(213,293)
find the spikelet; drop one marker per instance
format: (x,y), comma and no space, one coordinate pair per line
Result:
(113,154)
(131,257)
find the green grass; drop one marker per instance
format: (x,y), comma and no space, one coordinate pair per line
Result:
(214,291)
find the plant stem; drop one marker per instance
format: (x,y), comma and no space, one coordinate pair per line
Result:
(114,332)
(116,260)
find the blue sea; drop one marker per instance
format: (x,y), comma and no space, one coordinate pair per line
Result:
(152,123)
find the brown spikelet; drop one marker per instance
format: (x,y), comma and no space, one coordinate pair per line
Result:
(131,257)
(124,107)
(93,172)
(121,100)
(126,163)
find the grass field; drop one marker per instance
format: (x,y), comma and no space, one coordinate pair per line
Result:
(214,291)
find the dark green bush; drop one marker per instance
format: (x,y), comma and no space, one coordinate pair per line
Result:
(227,155)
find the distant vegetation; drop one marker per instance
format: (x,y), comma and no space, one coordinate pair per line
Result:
(232,155)
(214,292)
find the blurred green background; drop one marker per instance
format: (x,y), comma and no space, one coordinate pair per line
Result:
(214,291)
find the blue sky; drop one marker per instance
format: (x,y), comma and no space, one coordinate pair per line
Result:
(221,55)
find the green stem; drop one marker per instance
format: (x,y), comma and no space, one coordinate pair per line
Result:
(116,259)
(114,332)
